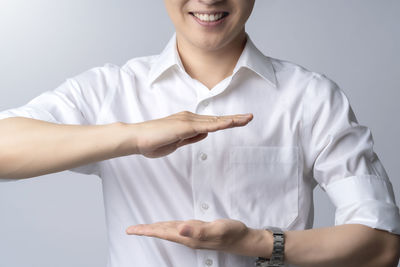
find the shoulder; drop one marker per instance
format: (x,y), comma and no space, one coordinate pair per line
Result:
(294,75)
(110,71)
(139,65)
(111,75)
(288,71)
(98,76)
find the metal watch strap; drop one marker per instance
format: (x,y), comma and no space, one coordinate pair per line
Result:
(276,259)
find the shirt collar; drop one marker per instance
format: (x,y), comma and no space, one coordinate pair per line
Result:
(251,58)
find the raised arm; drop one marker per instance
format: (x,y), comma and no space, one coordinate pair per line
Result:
(30,147)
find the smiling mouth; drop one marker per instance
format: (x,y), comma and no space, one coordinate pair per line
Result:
(209,17)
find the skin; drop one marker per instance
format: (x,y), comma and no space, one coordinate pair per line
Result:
(209,55)
(30,147)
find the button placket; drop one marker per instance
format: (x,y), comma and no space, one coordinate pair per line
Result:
(200,186)
(203,205)
(202,196)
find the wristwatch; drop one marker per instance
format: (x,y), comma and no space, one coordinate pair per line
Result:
(276,259)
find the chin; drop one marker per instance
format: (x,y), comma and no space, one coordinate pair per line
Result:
(209,43)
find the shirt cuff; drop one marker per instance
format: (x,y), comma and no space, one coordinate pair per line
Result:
(367,200)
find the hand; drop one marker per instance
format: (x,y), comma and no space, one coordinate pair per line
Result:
(226,235)
(160,137)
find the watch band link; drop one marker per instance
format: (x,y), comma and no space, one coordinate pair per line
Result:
(276,259)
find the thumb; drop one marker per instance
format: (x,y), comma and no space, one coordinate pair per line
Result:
(193,139)
(186,230)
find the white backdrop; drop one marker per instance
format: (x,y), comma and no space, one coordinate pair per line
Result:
(58,219)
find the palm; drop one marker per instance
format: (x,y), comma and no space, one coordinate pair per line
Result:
(223,234)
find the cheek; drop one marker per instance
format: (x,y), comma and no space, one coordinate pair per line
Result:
(180,17)
(175,10)
(182,22)
(246,7)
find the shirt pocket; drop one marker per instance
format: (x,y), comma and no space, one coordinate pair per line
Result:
(265,185)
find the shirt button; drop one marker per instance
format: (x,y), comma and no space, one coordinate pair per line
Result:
(203,156)
(206,103)
(204,206)
(209,262)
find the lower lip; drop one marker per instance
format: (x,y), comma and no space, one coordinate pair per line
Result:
(209,23)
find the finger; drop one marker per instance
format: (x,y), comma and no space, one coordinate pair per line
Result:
(199,124)
(242,120)
(166,230)
(153,226)
(162,151)
(156,229)
(194,229)
(220,124)
(186,230)
(237,119)
(214,118)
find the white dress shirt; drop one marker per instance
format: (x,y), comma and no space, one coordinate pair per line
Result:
(304,133)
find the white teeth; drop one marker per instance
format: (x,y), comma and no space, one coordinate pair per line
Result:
(207,17)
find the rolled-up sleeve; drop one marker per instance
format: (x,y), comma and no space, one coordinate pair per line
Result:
(77,101)
(339,155)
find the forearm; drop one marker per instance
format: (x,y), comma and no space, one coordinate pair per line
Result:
(344,245)
(31,147)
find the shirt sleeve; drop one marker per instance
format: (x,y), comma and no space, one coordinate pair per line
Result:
(77,101)
(339,155)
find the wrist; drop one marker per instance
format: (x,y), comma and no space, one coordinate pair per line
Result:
(125,134)
(262,243)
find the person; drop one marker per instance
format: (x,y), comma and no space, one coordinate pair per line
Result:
(200,186)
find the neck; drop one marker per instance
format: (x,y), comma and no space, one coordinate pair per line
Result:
(210,67)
